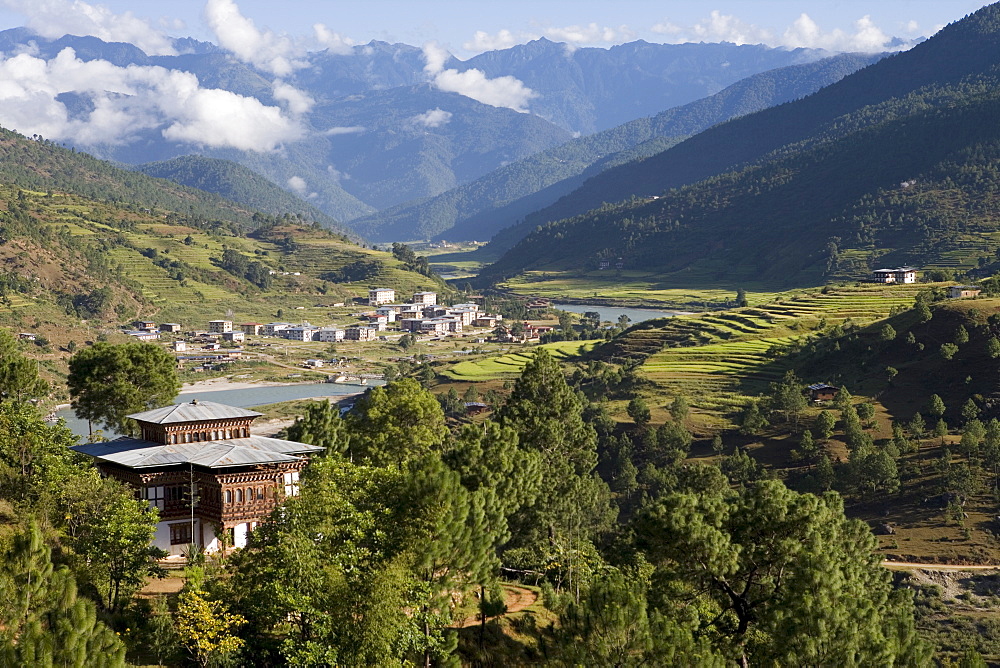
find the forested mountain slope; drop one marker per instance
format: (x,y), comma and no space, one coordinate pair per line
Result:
(833,174)
(480,209)
(961,54)
(234,182)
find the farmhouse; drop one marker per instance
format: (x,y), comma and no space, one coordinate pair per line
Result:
(198,464)
(960,291)
(822,392)
(170,327)
(897,275)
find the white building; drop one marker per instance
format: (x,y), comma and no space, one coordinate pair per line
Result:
(379,296)
(145,335)
(220,326)
(300,333)
(236,336)
(388,311)
(274,328)
(360,333)
(331,334)
(897,275)
(425,298)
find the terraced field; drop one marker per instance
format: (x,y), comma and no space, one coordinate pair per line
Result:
(511,364)
(719,359)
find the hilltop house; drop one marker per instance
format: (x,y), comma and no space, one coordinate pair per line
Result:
(897,275)
(200,466)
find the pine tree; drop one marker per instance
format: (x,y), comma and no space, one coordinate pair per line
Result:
(321,425)
(44,621)
(393,424)
(824,424)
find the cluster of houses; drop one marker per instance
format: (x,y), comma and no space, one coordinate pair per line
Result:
(422,315)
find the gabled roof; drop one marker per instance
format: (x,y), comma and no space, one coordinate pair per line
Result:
(141,454)
(193,411)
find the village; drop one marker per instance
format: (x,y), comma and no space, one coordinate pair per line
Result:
(384,321)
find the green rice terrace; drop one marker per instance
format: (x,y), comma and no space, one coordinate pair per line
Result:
(719,359)
(510,364)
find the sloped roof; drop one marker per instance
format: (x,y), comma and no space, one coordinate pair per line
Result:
(192,411)
(137,453)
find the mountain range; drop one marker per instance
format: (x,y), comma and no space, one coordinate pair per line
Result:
(892,164)
(372,128)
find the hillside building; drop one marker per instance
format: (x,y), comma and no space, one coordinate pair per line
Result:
(425,298)
(220,326)
(897,275)
(199,465)
(379,296)
(963,291)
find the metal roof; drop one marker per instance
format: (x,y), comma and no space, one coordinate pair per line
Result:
(193,411)
(140,454)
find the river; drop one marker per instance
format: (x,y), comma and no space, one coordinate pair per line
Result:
(612,313)
(242,398)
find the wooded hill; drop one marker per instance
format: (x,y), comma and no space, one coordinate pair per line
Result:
(481,209)
(885,161)
(236,183)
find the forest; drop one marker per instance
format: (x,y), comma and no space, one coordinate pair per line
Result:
(406,531)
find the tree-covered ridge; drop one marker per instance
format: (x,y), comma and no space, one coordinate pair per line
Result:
(236,183)
(948,69)
(904,185)
(480,209)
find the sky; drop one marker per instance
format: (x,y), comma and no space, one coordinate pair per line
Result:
(275,36)
(467,27)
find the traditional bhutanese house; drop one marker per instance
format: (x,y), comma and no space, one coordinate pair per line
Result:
(200,466)
(960,291)
(897,275)
(822,392)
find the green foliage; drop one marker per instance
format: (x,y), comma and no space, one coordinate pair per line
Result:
(359,270)
(395,423)
(321,425)
(44,622)
(935,406)
(788,397)
(887,333)
(19,379)
(638,410)
(824,424)
(752,421)
(948,350)
(108,382)
(781,577)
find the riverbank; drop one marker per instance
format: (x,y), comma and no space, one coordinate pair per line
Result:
(225,383)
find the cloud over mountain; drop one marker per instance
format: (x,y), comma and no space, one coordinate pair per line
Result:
(118,103)
(505,91)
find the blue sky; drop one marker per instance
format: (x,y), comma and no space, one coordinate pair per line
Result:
(465,27)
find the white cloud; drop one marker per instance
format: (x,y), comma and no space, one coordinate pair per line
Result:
(435,56)
(344,130)
(126,101)
(506,91)
(803,32)
(335,42)
(730,28)
(298,102)
(433,118)
(504,39)
(54,18)
(277,54)
(912,27)
(297,184)
(591,34)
